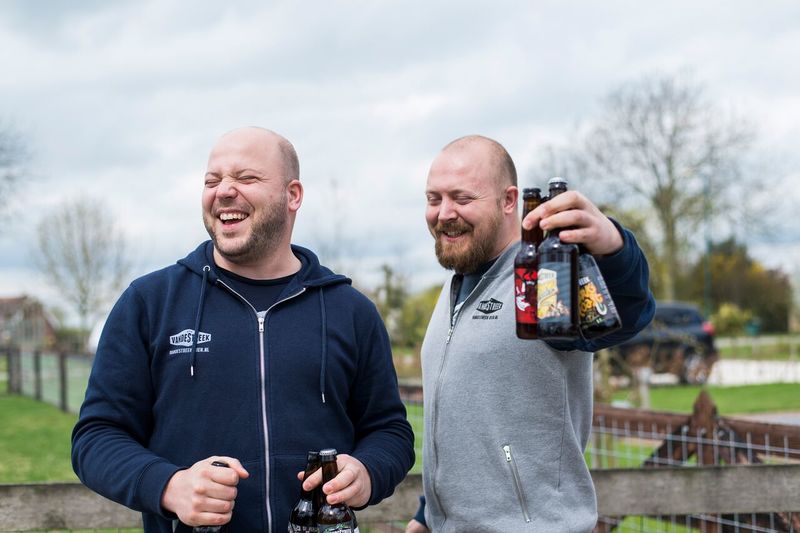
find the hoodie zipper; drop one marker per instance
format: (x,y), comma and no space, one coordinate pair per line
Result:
(263,376)
(454,316)
(512,464)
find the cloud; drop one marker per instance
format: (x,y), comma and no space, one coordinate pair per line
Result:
(122,100)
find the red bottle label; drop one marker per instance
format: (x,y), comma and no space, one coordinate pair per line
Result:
(525,294)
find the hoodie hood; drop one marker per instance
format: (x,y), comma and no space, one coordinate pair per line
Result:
(311,275)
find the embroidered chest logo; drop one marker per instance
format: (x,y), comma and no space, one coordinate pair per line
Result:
(185,339)
(486,309)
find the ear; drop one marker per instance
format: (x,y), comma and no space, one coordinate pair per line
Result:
(294,194)
(510,199)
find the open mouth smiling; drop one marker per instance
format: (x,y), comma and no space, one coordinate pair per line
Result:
(232,218)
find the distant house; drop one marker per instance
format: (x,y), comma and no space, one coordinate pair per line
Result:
(25,323)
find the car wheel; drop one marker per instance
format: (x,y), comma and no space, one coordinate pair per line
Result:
(695,370)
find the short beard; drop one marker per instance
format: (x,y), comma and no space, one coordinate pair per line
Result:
(265,236)
(477,253)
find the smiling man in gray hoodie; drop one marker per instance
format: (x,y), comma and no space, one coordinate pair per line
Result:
(507,420)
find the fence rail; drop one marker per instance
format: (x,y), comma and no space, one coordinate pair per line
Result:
(699,471)
(655,492)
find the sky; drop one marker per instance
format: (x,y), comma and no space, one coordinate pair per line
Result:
(120,102)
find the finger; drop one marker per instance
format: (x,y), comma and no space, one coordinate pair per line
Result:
(531,220)
(563,219)
(221,505)
(313,480)
(231,474)
(217,491)
(343,479)
(346,493)
(210,519)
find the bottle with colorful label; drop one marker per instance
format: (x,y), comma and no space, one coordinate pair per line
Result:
(557,282)
(598,314)
(526,266)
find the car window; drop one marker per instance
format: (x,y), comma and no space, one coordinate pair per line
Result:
(678,317)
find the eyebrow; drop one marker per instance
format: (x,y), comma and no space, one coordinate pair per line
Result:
(235,174)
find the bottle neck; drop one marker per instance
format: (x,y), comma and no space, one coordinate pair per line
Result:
(534,235)
(329,471)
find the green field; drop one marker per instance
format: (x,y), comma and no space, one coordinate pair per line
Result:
(34,436)
(775,348)
(745,399)
(34,441)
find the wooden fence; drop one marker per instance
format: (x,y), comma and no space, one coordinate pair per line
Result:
(641,492)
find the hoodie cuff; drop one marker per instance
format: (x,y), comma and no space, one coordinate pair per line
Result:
(619,265)
(372,464)
(151,487)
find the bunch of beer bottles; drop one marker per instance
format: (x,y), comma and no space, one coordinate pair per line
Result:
(559,291)
(312,513)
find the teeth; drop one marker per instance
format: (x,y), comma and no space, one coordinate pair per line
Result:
(232,216)
(453,233)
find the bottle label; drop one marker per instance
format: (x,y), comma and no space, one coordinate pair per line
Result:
(525,294)
(592,305)
(553,291)
(346,527)
(294,528)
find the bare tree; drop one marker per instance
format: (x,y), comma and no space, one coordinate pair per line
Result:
(84,255)
(13,156)
(661,143)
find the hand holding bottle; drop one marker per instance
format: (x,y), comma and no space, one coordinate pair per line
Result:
(352,485)
(204,494)
(582,221)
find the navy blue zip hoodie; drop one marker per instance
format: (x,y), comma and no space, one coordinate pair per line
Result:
(161,398)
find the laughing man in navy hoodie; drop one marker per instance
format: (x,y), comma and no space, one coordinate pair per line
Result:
(246,351)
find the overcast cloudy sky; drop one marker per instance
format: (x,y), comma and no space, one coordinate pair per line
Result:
(121,101)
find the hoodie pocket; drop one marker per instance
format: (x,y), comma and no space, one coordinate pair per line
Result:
(512,466)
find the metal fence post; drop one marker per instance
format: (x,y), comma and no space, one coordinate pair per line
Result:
(14,370)
(37,374)
(62,378)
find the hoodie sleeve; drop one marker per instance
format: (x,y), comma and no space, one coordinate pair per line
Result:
(384,438)
(115,421)
(627,276)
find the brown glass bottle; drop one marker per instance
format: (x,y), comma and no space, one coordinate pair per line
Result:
(303,518)
(213,529)
(338,517)
(526,269)
(597,311)
(557,282)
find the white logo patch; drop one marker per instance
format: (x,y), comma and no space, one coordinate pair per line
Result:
(186,338)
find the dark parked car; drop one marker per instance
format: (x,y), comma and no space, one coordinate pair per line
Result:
(679,341)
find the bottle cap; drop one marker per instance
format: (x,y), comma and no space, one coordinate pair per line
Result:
(328,454)
(528,192)
(557,182)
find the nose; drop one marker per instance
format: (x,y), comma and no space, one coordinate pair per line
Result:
(227,188)
(447,210)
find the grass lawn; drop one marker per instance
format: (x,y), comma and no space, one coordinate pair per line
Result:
(743,399)
(781,348)
(34,441)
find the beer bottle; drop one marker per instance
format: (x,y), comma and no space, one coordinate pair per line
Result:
(213,529)
(333,518)
(557,283)
(526,266)
(303,518)
(598,314)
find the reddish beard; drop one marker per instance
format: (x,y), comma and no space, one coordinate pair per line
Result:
(474,248)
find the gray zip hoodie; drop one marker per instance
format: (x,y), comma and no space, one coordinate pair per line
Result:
(507,420)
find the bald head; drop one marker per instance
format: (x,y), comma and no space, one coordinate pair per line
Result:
(267,141)
(502,166)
